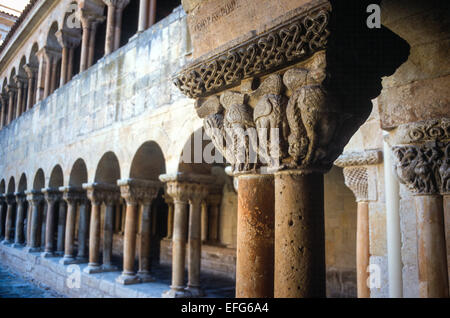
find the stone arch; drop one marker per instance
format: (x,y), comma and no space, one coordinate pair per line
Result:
(78,174)
(32,58)
(148,162)
(39,180)
(71,32)
(11,185)
(22,183)
(52,44)
(56,177)
(108,169)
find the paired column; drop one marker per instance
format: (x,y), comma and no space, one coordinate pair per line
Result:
(214,202)
(9,222)
(52,196)
(68,39)
(3,208)
(3,111)
(147,14)
(72,197)
(137,192)
(21,84)
(35,200)
(61,228)
(52,56)
(422,152)
(19,237)
(111,199)
(32,71)
(99,193)
(11,90)
(114,24)
(89,21)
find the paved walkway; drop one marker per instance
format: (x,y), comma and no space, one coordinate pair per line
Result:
(14,286)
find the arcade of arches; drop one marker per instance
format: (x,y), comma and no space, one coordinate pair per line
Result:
(103,104)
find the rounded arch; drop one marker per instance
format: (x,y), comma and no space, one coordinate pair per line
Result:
(51,40)
(148,162)
(78,174)
(2,186)
(22,183)
(39,180)
(108,169)
(56,177)
(32,58)
(11,77)
(11,185)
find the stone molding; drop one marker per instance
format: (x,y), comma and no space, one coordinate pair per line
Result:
(283,45)
(20,197)
(138,191)
(184,187)
(34,196)
(52,194)
(118,4)
(73,194)
(420,132)
(359,158)
(69,38)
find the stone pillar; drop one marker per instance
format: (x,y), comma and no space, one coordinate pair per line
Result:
(31,71)
(93,34)
(214,202)
(11,90)
(110,26)
(69,39)
(255,238)
(134,192)
(20,83)
(40,81)
(51,196)
(91,15)
(19,238)
(3,208)
(143,15)
(362,182)
(422,152)
(197,194)
(83,231)
(96,198)
(9,222)
(152,13)
(72,196)
(204,221)
(52,56)
(70,65)
(61,228)
(170,213)
(87,25)
(111,198)
(3,112)
(35,199)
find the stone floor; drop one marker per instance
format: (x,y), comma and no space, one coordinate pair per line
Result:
(14,286)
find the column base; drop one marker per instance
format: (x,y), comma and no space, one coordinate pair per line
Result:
(67,260)
(6,242)
(109,268)
(33,249)
(48,254)
(195,291)
(82,260)
(176,293)
(18,245)
(128,279)
(93,269)
(145,277)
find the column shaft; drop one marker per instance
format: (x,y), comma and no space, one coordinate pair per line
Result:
(35,233)
(48,77)
(19,235)
(31,90)
(447,229)
(143,15)
(108,232)
(19,99)
(362,249)
(195,248)
(60,247)
(3,208)
(69,242)
(83,232)
(170,213)
(152,13)
(432,255)
(70,65)
(50,229)
(204,221)
(64,66)
(9,224)
(11,107)
(91,53)
(179,245)
(144,244)
(255,239)
(299,235)
(110,29)
(94,239)
(129,245)
(85,46)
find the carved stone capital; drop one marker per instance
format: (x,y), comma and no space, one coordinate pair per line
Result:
(11,90)
(136,191)
(184,187)
(34,197)
(20,197)
(31,70)
(356,178)
(72,194)
(10,198)
(117,4)
(99,193)
(359,158)
(52,195)
(197,193)
(20,81)
(421,132)
(69,38)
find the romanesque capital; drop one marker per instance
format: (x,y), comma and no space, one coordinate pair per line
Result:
(10,198)
(99,193)
(72,194)
(20,197)
(183,187)
(117,4)
(91,13)
(11,90)
(34,197)
(52,195)
(422,156)
(31,70)
(20,81)
(136,191)
(50,54)
(68,38)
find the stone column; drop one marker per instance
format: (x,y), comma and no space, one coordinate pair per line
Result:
(35,199)
(143,15)
(91,15)
(170,212)
(152,13)
(96,198)
(61,228)
(214,202)
(83,231)
(40,81)
(9,223)
(111,198)
(93,34)
(52,56)
(110,26)
(68,39)
(204,221)
(72,196)
(19,238)
(3,208)
(145,241)
(11,90)
(359,179)
(20,83)
(134,192)
(51,196)
(3,113)
(87,25)
(197,194)
(422,162)
(255,238)
(31,71)
(179,192)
